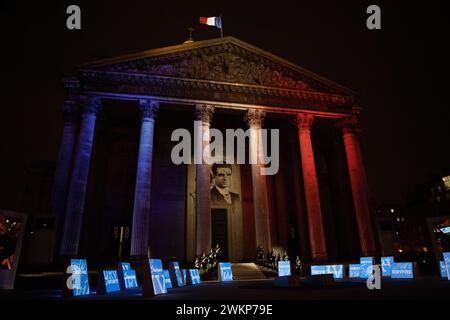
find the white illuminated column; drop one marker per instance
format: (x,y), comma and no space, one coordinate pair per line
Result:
(204,114)
(255,119)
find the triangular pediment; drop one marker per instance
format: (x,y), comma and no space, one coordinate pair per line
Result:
(226,60)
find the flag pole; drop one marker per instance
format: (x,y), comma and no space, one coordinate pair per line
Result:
(221,27)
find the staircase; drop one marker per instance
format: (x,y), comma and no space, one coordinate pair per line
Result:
(246,271)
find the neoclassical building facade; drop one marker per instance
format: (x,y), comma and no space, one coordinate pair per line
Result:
(118,195)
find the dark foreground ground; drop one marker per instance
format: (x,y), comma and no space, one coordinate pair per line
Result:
(425,288)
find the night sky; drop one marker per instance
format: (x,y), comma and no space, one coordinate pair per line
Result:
(401,72)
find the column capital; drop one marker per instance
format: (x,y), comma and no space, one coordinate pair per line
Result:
(304,121)
(71,111)
(204,112)
(349,125)
(72,87)
(149,108)
(255,117)
(91,104)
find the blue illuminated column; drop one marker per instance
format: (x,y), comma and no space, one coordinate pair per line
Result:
(204,114)
(61,182)
(255,119)
(78,181)
(142,193)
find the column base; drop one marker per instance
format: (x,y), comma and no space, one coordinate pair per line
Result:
(138,258)
(320,257)
(65,257)
(369,254)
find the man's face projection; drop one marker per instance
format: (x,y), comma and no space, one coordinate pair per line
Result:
(223,177)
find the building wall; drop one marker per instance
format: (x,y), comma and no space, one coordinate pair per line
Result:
(110,194)
(169,185)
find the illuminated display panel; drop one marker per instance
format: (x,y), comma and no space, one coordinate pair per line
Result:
(336,270)
(447,263)
(226,274)
(366,264)
(80,279)
(354,271)
(167,279)
(175,274)
(386,266)
(402,270)
(284,268)
(158,281)
(111,281)
(195,276)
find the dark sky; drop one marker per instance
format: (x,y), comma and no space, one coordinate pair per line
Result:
(401,72)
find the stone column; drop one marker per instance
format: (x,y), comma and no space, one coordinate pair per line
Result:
(255,119)
(78,181)
(358,181)
(314,213)
(142,193)
(204,114)
(61,180)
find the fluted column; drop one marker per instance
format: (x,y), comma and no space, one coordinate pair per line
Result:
(314,213)
(204,114)
(71,115)
(358,181)
(255,119)
(142,193)
(78,181)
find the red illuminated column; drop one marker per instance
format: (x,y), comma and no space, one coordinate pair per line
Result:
(203,113)
(314,214)
(360,191)
(142,193)
(78,180)
(255,120)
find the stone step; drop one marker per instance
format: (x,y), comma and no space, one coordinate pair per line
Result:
(246,271)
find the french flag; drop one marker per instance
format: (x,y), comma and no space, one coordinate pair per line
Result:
(212,21)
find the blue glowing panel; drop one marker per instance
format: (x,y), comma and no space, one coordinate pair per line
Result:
(175,274)
(386,266)
(226,274)
(183,272)
(316,270)
(402,270)
(284,268)
(442,269)
(195,276)
(447,263)
(125,266)
(336,270)
(129,278)
(445,230)
(187,277)
(111,281)
(167,279)
(156,270)
(354,271)
(80,280)
(366,264)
